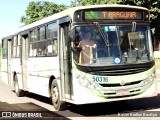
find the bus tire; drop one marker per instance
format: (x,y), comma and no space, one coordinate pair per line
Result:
(55,97)
(19,92)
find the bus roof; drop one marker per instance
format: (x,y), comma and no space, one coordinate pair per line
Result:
(67,12)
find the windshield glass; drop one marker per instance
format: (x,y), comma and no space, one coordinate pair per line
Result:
(122,44)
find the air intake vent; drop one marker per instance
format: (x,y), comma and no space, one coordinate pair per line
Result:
(118,85)
(118,72)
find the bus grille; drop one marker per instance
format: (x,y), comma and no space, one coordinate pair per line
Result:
(117,72)
(117,85)
(112,97)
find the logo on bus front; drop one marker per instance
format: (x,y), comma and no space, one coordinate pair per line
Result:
(122,82)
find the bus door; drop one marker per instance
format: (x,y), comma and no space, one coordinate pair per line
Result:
(9,61)
(24,59)
(65,61)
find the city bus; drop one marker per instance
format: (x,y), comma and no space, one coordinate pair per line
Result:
(45,57)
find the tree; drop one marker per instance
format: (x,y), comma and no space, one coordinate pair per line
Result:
(91,2)
(41,9)
(75,3)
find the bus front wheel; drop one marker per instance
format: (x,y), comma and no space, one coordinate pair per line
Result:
(18,91)
(55,96)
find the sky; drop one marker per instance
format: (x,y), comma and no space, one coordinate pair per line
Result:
(12,10)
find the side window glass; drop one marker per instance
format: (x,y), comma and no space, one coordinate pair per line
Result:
(41,33)
(52,48)
(4,48)
(52,30)
(18,53)
(44,43)
(41,48)
(33,44)
(33,35)
(14,45)
(18,46)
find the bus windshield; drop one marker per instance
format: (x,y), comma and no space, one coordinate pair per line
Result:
(112,44)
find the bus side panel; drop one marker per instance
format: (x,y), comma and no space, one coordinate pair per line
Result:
(4,73)
(40,71)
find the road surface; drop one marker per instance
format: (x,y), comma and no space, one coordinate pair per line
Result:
(40,107)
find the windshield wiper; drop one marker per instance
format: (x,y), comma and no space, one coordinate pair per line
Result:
(102,34)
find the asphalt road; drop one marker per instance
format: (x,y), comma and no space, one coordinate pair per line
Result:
(140,109)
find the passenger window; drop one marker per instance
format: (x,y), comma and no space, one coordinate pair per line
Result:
(4,48)
(41,33)
(14,45)
(42,46)
(52,48)
(52,30)
(33,37)
(19,46)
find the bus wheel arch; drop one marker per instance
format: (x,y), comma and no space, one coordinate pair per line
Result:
(18,91)
(55,96)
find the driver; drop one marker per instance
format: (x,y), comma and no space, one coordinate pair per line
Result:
(87,44)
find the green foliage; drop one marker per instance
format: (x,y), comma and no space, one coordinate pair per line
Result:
(41,9)
(38,10)
(91,2)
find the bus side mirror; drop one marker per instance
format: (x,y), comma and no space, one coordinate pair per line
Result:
(72,34)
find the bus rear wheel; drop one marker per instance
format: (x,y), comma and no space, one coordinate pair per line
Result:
(19,92)
(55,97)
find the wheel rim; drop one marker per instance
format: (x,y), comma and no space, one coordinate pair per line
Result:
(55,95)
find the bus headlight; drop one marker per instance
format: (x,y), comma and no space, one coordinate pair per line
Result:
(148,80)
(88,84)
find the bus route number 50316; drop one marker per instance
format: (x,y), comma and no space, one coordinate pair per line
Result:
(100,79)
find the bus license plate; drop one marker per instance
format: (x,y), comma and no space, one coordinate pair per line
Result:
(123,92)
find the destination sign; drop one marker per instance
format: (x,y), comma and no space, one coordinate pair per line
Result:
(113,15)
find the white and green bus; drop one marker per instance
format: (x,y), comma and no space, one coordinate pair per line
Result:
(43,57)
